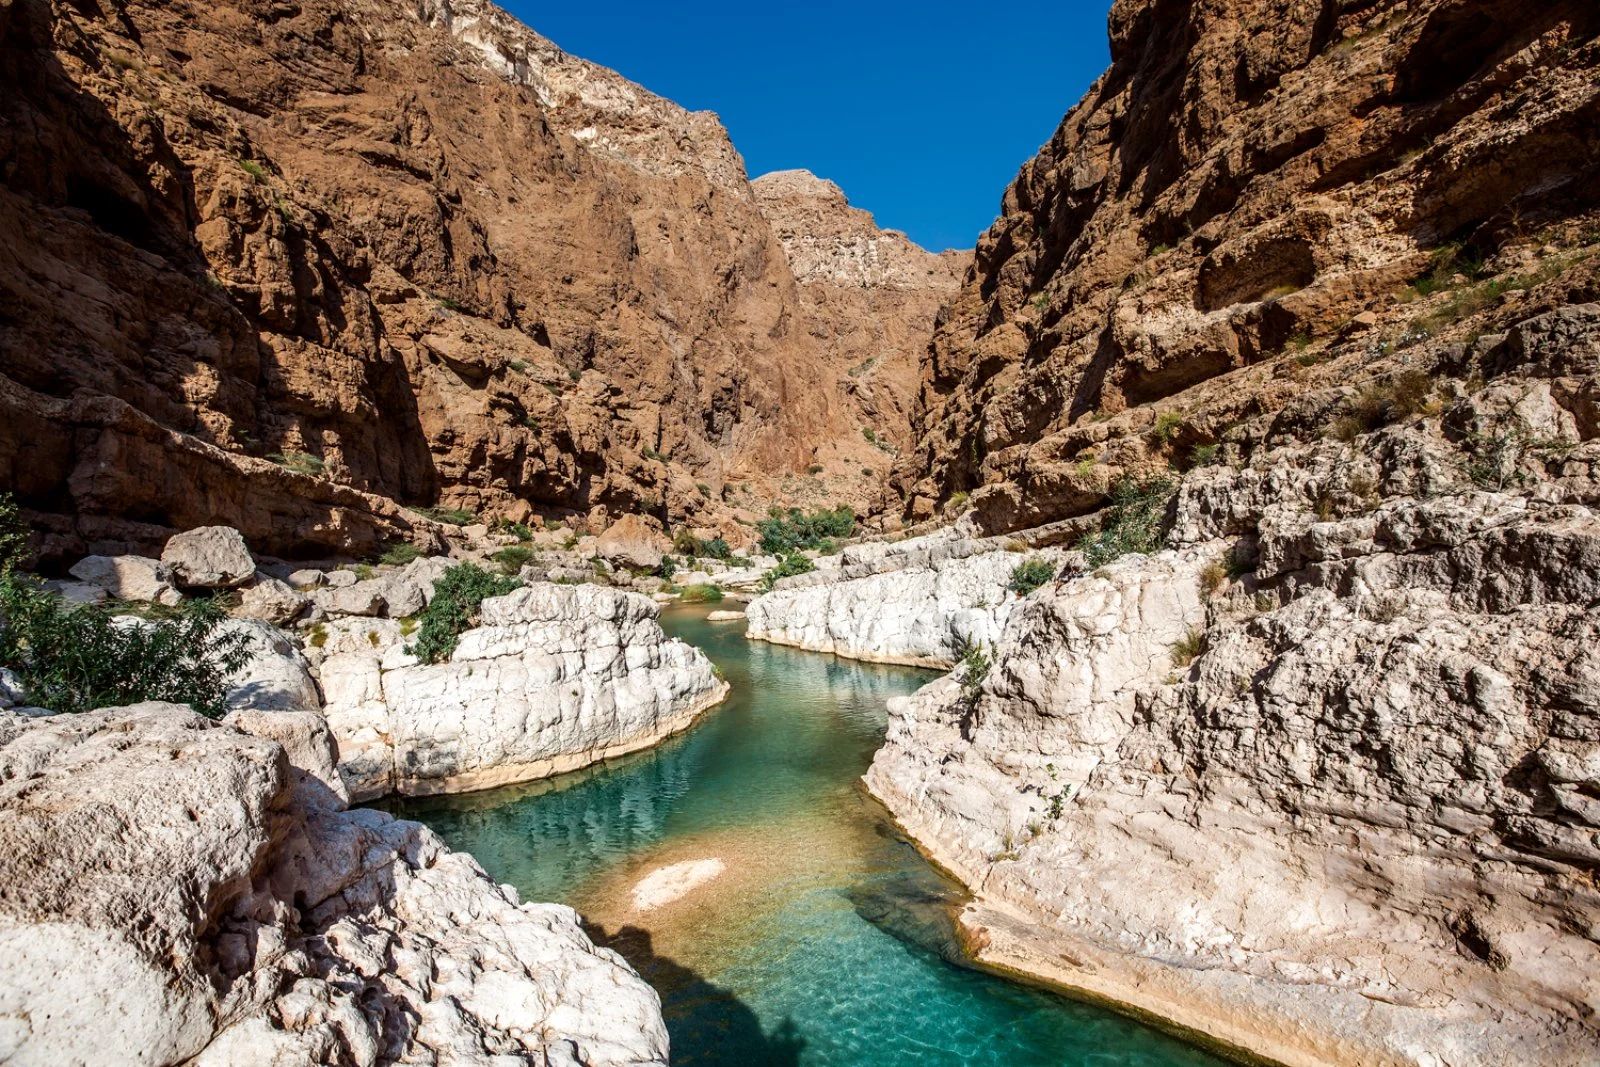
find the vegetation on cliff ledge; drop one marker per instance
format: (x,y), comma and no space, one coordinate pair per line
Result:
(782,531)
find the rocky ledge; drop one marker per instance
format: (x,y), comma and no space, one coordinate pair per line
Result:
(917,602)
(556,677)
(206,889)
(1319,779)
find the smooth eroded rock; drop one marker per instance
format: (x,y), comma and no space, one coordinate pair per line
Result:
(209,557)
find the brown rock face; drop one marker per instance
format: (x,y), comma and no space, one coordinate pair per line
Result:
(1251,185)
(869,298)
(282,266)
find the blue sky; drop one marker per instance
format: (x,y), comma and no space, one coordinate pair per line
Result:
(921,112)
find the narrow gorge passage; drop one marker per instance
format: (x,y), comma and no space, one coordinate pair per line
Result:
(825,939)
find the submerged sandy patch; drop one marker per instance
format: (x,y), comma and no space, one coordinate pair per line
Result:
(667,884)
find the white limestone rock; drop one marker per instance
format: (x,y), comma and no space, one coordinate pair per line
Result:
(129,578)
(916,602)
(168,900)
(1356,828)
(555,678)
(276,677)
(209,557)
(271,600)
(77,592)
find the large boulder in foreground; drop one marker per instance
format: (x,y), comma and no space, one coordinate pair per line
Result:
(557,677)
(209,557)
(168,900)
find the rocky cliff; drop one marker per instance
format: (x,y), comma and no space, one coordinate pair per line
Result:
(1252,189)
(1318,778)
(286,266)
(869,298)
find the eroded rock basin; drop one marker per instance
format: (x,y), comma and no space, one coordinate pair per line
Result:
(824,938)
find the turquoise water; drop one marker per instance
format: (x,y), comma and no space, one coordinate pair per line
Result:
(828,940)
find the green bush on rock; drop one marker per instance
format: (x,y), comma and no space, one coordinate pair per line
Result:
(790,565)
(1029,575)
(1138,509)
(454,609)
(76,658)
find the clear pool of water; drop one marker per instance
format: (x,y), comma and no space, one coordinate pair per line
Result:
(827,940)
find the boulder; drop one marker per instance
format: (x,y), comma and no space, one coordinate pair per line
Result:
(176,894)
(129,578)
(76,592)
(314,780)
(632,541)
(209,557)
(308,578)
(271,600)
(276,677)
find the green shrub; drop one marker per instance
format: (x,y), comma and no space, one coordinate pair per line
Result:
(521,531)
(1166,427)
(669,566)
(1030,574)
(448,516)
(716,548)
(1134,525)
(299,462)
(790,565)
(15,543)
(1204,455)
(77,658)
(702,488)
(957,502)
(974,663)
(398,555)
(815,468)
(1188,647)
(454,609)
(702,594)
(782,532)
(512,559)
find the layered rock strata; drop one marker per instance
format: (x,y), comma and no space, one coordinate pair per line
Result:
(1256,199)
(555,678)
(869,297)
(177,892)
(1318,780)
(282,268)
(918,602)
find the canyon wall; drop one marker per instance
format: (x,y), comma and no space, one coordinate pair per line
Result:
(1319,778)
(1292,330)
(1248,183)
(286,266)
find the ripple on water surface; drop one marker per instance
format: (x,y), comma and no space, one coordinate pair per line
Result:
(824,939)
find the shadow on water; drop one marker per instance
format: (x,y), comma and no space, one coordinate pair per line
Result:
(708,1025)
